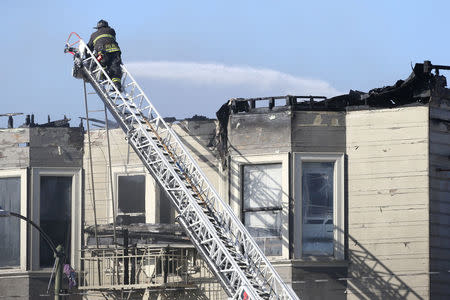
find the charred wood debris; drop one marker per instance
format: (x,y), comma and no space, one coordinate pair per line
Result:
(30,123)
(415,90)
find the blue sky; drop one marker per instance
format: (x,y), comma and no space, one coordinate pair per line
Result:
(191,56)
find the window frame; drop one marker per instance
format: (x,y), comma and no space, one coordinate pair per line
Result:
(22,174)
(76,212)
(124,205)
(151,192)
(236,191)
(244,210)
(338,202)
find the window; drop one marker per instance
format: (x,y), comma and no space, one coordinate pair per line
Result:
(56,208)
(131,199)
(259,194)
(13,231)
(262,205)
(138,198)
(166,211)
(55,215)
(10,227)
(319,207)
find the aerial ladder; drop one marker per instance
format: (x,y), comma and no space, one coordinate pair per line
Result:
(218,235)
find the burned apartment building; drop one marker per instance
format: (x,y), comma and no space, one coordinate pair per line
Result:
(41,179)
(348,197)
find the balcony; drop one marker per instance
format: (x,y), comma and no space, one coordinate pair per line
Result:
(111,269)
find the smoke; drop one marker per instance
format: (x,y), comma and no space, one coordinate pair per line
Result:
(261,82)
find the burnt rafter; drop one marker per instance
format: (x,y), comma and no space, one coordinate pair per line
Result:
(417,88)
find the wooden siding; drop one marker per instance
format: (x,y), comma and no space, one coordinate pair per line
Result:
(388,203)
(257,133)
(195,135)
(318,131)
(281,131)
(199,139)
(440,199)
(121,154)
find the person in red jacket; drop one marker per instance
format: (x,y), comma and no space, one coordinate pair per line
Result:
(104,45)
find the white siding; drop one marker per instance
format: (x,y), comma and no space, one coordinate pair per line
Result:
(388,203)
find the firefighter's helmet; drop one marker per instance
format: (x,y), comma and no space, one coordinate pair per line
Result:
(101,23)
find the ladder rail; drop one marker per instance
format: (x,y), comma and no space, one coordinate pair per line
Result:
(231,275)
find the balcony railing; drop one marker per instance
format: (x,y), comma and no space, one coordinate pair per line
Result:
(114,269)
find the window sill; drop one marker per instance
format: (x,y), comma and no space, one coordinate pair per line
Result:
(12,271)
(329,263)
(319,262)
(21,273)
(277,259)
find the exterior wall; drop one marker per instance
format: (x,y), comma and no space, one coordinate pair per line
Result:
(23,150)
(14,148)
(15,286)
(319,280)
(56,147)
(440,198)
(56,151)
(264,136)
(265,132)
(316,131)
(122,155)
(30,287)
(388,203)
(41,147)
(199,138)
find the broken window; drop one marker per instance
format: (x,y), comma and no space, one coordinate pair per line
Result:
(262,196)
(55,215)
(10,227)
(317,208)
(131,199)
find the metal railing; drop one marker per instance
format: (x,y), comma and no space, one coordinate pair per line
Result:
(109,269)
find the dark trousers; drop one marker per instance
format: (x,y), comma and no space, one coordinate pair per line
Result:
(112,62)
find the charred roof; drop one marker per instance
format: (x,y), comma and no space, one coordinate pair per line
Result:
(417,88)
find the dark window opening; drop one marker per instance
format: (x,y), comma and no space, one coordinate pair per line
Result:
(166,211)
(55,216)
(131,199)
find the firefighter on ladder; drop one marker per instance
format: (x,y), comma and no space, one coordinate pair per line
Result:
(104,45)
